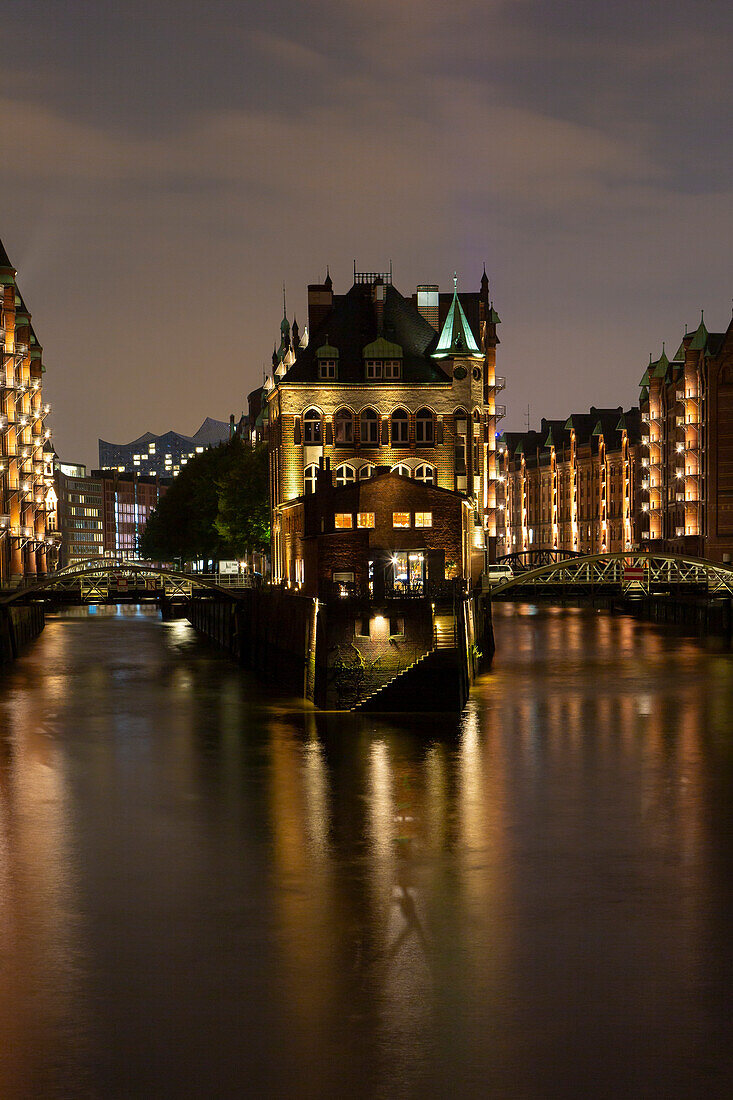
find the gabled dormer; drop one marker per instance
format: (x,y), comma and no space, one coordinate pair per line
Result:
(328,362)
(382,361)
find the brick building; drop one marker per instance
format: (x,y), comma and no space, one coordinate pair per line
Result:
(383,535)
(687,412)
(25,545)
(380,379)
(575,485)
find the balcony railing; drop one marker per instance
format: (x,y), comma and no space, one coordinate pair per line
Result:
(4,522)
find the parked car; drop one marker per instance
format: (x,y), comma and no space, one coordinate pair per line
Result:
(496,573)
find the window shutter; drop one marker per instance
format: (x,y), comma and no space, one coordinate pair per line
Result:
(385,430)
(329,433)
(297,436)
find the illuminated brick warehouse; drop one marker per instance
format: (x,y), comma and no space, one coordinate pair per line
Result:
(25,546)
(687,414)
(574,485)
(383,382)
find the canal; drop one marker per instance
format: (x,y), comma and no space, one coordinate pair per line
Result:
(208,890)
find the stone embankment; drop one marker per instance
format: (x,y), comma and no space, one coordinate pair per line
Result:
(18,626)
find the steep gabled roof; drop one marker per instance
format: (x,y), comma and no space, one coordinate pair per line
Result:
(352,324)
(4,258)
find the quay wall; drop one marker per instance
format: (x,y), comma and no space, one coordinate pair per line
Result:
(18,626)
(338,653)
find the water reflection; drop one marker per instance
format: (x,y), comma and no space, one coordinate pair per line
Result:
(209,890)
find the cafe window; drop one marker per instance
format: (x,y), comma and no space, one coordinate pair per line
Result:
(423,519)
(343,521)
(400,519)
(365,519)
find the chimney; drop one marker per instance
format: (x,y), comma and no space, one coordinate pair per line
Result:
(427,304)
(320,302)
(378,295)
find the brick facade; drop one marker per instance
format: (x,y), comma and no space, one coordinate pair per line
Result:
(314,549)
(687,409)
(573,486)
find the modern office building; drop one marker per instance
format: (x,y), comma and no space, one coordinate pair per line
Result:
(687,414)
(102,513)
(574,485)
(127,501)
(384,380)
(80,514)
(162,455)
(25,544)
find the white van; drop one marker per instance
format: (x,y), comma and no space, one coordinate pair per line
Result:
(496,573)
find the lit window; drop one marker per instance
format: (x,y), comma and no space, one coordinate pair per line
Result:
(310,475)
(343,521)
(400,427)
(424,432)
(343,427)
(312,426)
(400,519)
(369,423)
(365,519)
(426,474)
(199,450)
(345,475)
(423,519)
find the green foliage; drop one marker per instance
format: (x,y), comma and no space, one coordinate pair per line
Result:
(216,508)
(243,519)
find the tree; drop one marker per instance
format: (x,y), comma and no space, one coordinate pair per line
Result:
(243,520)
(187,523)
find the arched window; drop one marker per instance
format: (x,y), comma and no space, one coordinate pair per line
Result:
(424,428)
(310,474)
(367,471)
(343,428)
(425,474)
(400,428)
(476,416)
(369,428)
(345,474)
(312,426)
(402,469)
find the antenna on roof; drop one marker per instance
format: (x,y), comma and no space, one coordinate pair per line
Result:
(528,417)
(285,312)
(354,270)
(455,282)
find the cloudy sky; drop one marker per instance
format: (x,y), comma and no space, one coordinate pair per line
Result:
(166,165)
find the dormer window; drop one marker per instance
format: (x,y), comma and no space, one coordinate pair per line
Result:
(327,357)
(382,359)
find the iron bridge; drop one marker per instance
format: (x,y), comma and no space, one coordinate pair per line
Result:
(625,572)
(103,580)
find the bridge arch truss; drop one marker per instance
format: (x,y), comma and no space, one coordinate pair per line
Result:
(627,572)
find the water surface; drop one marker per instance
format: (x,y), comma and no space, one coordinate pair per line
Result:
(209,890)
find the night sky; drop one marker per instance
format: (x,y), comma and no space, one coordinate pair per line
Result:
(166,165)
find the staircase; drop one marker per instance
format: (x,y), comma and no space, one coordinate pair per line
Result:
(429,684)
(444,630)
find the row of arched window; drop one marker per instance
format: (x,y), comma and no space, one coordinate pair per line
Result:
(344,426)
(346,474)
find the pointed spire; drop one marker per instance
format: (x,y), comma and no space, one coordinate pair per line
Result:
(329,282)
(456,337)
